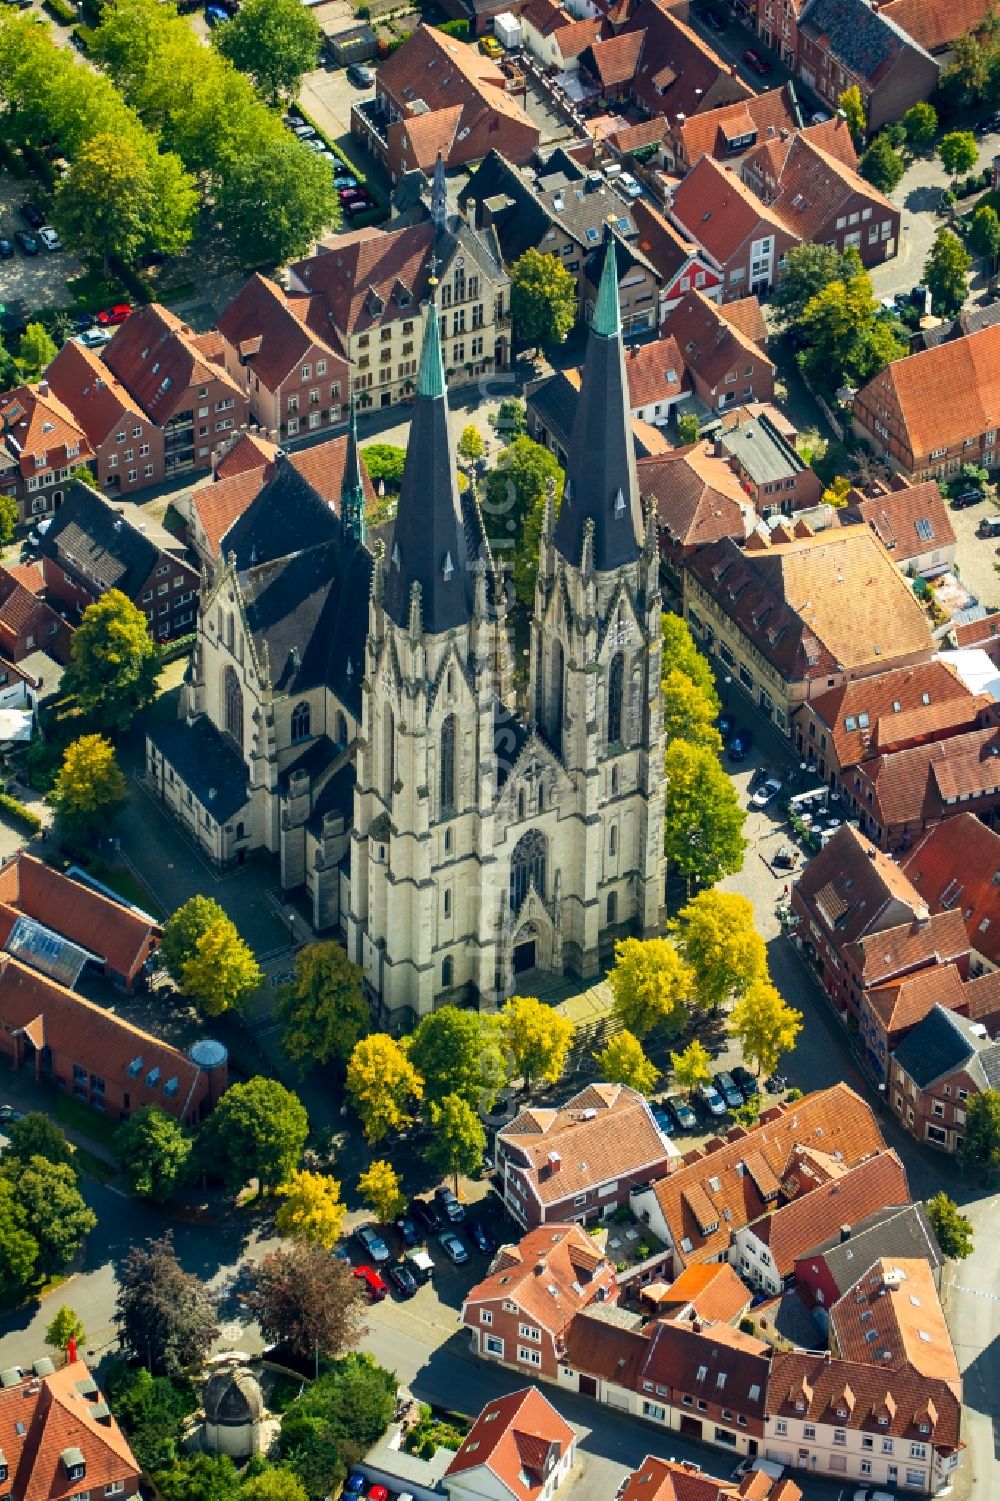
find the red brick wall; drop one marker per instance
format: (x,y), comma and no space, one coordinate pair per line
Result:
(506,1326)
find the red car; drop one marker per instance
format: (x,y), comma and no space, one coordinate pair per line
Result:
(759,64)
(373,1284)
(113,315)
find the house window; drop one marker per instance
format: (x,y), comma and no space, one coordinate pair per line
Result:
(143,450)
(781,1427)
(887,1444)
(494,1346)
(529,1357)
(485,1316)
(808,1430)
(528,1331)
(655,1411)
(840,1436)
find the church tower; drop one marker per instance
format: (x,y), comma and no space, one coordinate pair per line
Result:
(352,490)
(421,886)
(595,659)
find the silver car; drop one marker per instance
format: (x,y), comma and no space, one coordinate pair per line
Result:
(453,1247)
(374,1246)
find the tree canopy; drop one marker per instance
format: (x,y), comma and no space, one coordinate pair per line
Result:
(881,164)
(537,1037)
(765,1024)
(165,1315)
(703,820)
(692,1066)
(681,655)
(855,114)
(952,1228)
(311,1208)
(622,1061)
(113,662)
(958,152)
(650,984)
(383,1085)
(381,1188)
(275,42)
(89,789)
(715,934)
(306,1300)
(64,1326)
(688,713)
(946,273)
(809,268)
(257,1130)
(543,300)
(458,1141)
(323,1009)
(513,507)
(154,1151)
(55,1214)
(981,1143)
(204,953)
(121,196)
(459,1052)
(920,123)
(846,338)
(36,1135)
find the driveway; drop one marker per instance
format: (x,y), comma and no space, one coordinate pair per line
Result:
(38,281)
(976,557)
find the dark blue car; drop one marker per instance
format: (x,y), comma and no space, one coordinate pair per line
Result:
(740,745)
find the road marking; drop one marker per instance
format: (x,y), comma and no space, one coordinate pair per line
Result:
(975,1291)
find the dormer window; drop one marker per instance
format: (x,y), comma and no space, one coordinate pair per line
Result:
(74,1464)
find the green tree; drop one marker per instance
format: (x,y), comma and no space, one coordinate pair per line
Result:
(382,1190)
(688,429)
(306,1300)
(36,351)
(276,198)
(881,164)
(278,1484)
(90,788)
(457,1141)
(845,338)
(808,269)
(691,1067)
(183,929)
(946,273)
(335,1418)
(958,152)
(650,985)
(471,444)
(836,492)
(854,110)
(152,1410)
(200,1477)
(154,1152)
(311,1208)
(622,1061)
(64,1326)
(222,973)
(36,1136)
(765,1024)
(984,233)
(681,655)
(275,42)
(19,1250)
(920,123)
(513,507)
(703,821)
(383,1085)
(537,1037)
(716,936)
(10,376)
(257,1130)
(543,300)
(688,714)
(56,1216)
(113,662)
(458,1052)
(981,1143)
(952,1228)
(165,1315)
(121,197)
(323,1009)
(384,462)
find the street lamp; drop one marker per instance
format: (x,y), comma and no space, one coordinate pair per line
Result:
(727,683)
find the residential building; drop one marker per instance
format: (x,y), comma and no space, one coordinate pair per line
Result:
(62,1039)
(845,43)
(28,624)
(44,444)
(179,381)
(638,284)
(863,925)
(520,1312)
(116,940)
(744,240)
(731,130)
(890,1012)
(126,444)
(945,1059)
(937,24)
(555,37)
(726,366)
(295,379)
(60,1439)
(697,499)
(933,412)
(892,1318)
(768,466)
(518,1449)
(791,618)
(657,380)
(827,1271)
(436,84)
(709,1385)
(581,1161)
(777,26)
(913,523)
(821,198)
(90,547)
(900,794)
(670,1480)
(657,60)
(704,1294)
(677,261)
(957,866)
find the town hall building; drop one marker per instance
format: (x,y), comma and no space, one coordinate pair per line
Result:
(349,709)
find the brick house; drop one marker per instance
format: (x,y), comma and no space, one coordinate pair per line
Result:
(937,24)
(825,1272)
(697,499)
(744,240)
(28,624)
(555,37)
(520,1312)
(127,445)
(677,260)
(90,548)
(731,130)
(957,865)
(778,27)
(911,520)
(580,1162)
(842,43)
(518,1449)
(768,466)
(900,794)
(944,1059)
(296,381)
(726,366)
(45,444)
(659,61)
(60,1440)
(672,1480)
(933,412)
(638,284)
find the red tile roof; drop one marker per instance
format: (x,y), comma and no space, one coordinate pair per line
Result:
(41,1419)
(935,24)
(442,71)
(88,388)
(709,132)
(848,1196)
(369,278)
(419,140)
(710,1292)
(36,425)
(677,71)
(250,451)
(717,209)
(697,496)
(155,347)
(23,615)
(945,394)
(747,316)
(28,574)
(912,786)
(900,1006)
(551,1274)
(849,1394)
(660,242)
(119,935)
(870,705)
(896,516)
(977,632)
(882,956)
(892,1317)
(655,372)
(712,344)
(518,1439)
(957,866)
(807,187)
(723,1365)
(267,330)
(616,59)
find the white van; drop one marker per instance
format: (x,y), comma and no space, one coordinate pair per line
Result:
(768,1467)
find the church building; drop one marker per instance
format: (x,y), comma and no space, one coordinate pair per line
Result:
(349,710)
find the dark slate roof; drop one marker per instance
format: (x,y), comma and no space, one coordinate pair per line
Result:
(286,513)
(554,402)
(626,257)
(898,1230)
(510,736)
(314,759)
(207,762)
(336,797)
(524,221)
(942,1044)
(89,533)
(864,40)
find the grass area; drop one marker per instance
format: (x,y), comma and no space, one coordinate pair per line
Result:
(80,1117)
(94,1167)
(91,290)
(128,888)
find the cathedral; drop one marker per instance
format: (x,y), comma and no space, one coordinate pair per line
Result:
(349,709)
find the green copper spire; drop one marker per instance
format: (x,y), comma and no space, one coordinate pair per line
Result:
(430,376)
(607,315)
(352,490)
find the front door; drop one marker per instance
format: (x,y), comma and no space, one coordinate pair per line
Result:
(524,956)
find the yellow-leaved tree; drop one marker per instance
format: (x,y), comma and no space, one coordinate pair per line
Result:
(383,1085)
(311,1208)
(537,1037)
(381,1189)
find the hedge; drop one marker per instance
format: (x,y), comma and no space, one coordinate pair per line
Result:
(380,209)
(18,814)
(458,29)
(61,11)
(85,36)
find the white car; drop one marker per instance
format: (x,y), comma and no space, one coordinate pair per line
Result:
(629,184)
(49,238)
(766,792)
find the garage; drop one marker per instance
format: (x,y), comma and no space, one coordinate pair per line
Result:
(691,1426)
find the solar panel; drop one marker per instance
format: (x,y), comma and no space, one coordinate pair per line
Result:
(49,952)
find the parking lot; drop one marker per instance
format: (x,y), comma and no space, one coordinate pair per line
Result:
(30,282)
(976,556)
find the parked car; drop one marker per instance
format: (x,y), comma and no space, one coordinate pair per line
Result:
(354,1484)
(426,1215)
(357,206)
(6,248)
(727,1087)
(112,316)
(25,242)
(490,46)
(745,1082)
(448,1204)
(968,498)
(32,214)
(420,1263)
(9,1115)
(480,1237)
(709,1101)
(360,76)
(402,1279)
(453,1248)
(629,185)
(378,1493)
(681,1111)
(373,1285)
(349,195)
(303,131)
(775,1083)
(725,724)
(49,238)
(760,65)
(740,745)
(215,15)
(94,338)
(766,792)
(342,179)
(372,1243)
(408,1232)
(988,527)
(664,1120)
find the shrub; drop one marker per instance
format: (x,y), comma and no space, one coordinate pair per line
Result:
(459,29)
(85,36)
(22,817)
(61,11)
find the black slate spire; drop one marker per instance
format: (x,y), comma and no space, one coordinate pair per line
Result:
(352,490)
(429,543)
(601,481)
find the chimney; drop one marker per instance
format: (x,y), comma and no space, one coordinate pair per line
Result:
(784,132)
(717,447)
(43,387)
(554,1161)
(734,70)
(845,1233)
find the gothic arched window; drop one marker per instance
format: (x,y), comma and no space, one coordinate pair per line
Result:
(556,695)
(341,729)
(616,698)
(388,753)
(527,865)
(612,907)
(300,723)
(447,972)
(233,696)
(449,732)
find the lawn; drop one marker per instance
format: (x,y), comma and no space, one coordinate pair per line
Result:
(80,1117)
